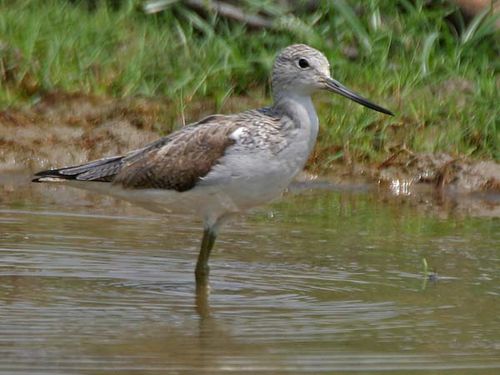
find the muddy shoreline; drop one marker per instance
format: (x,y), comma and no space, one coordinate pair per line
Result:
(70,128)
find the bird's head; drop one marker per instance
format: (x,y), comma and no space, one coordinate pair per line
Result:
(303,70)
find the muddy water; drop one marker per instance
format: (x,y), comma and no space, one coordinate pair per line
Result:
(324,281)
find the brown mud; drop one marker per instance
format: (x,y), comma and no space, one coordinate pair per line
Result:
(70,128)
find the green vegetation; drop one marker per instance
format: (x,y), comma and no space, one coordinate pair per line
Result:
(441,80)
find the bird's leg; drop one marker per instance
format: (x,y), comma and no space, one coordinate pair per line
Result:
(207,243)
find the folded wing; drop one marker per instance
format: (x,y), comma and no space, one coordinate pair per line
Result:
(176,162)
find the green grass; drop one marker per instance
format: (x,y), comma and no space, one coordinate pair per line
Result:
(441,83)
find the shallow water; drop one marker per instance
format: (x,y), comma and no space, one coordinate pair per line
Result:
(324,281)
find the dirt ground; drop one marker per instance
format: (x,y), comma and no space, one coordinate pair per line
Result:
(65,129)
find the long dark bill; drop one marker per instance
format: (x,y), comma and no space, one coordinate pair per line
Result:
(337,87)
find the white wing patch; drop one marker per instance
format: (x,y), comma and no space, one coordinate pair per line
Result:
(236,135)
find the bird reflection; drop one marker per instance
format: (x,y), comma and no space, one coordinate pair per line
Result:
(202,304)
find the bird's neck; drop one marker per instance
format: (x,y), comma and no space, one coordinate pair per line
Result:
(300,109)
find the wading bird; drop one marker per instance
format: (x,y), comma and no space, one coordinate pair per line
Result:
(223,164)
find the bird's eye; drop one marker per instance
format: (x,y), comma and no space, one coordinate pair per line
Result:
(303,63)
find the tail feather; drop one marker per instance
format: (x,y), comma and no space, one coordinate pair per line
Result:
(102,170)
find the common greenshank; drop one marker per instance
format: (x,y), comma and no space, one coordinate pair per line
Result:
(223,164)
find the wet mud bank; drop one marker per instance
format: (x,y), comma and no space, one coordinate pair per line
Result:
(69,128)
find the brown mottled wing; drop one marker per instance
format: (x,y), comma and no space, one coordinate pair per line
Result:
(179,160)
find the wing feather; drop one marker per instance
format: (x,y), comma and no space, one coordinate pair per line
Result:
(102,170)
(180,160)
